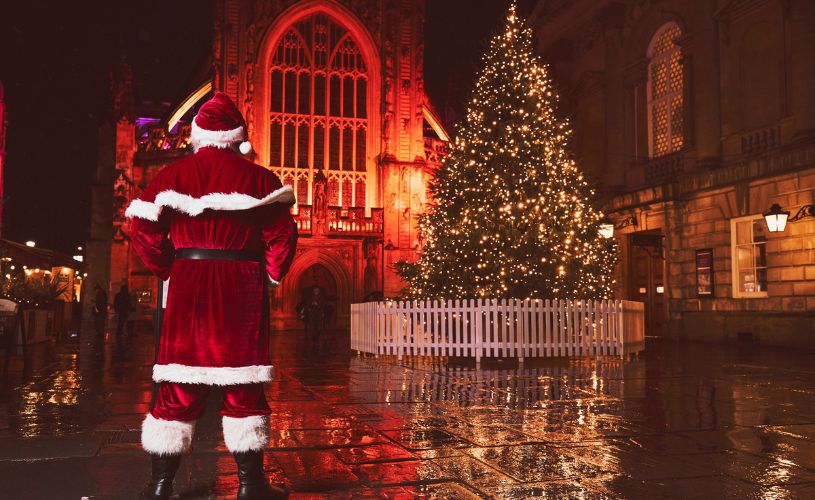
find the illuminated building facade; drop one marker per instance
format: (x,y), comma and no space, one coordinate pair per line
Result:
(694,118)
(334,99)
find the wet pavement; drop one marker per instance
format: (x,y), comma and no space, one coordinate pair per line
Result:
(680,421)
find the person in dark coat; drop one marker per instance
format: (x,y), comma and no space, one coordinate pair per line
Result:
(122,306)
(314,311)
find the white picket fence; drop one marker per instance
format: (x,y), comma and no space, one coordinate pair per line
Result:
(514,328)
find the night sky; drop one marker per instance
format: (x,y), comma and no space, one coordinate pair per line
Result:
(55,58)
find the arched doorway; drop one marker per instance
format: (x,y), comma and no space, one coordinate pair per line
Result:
(322,268)
(317,276)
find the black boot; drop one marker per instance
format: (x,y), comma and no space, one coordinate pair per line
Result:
(253,483)
(161,481)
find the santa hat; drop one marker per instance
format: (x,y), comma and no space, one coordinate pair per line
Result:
(219,124)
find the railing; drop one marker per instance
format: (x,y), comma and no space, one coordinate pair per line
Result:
(353,220)
(760,140)
(338,220)
(663,168)
(158,140)
(499,328)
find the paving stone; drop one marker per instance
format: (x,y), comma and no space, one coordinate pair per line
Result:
(312,470)
(41,448)
(372,454)
(424,439)
(535,463)
(551,489)
(407,471)
(726,425)
(765,472)
(473,472)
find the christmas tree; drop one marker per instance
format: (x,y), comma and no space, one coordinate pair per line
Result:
(512,213)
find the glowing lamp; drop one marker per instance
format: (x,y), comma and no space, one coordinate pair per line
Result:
(607,230)
(79,258)
(776,219)
(30,244)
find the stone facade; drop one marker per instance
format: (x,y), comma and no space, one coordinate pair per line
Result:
(743,119)
(334,99)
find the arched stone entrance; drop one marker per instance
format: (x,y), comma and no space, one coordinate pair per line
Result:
(315,267)
(319,276)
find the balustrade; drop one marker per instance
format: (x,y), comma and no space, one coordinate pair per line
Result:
(340,220)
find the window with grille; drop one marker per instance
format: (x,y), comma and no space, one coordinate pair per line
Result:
(665,85)
(318,111)
(749,254)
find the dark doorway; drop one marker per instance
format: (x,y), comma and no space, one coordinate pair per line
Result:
(319,276)
(647,265)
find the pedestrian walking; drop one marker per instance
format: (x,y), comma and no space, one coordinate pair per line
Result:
(220,229)
(313,311)
(122,306)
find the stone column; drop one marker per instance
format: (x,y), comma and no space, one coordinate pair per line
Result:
(703,48)
(615,111)
(97,248)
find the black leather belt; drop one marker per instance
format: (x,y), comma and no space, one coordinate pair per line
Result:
(218,254)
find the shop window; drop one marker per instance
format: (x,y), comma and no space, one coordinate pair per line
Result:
(665,92)
(749,256)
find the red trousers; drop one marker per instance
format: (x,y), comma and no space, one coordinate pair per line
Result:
(168,428)
(185,402)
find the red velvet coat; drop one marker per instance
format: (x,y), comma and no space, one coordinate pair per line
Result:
(215,328)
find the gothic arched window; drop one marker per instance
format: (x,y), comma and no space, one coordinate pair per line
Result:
(665,87)
(319,110)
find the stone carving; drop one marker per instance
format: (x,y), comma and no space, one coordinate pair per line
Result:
(248,99)
(388,97)
(371,273)
(319,211)
(217,42)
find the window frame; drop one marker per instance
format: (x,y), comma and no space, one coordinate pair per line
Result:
(355,150)
(734,262)
(651,102)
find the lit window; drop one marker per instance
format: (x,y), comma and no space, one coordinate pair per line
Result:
(749,256)
(665,120)
(318,111)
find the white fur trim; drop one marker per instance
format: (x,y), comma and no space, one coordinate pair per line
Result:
(273,283)
(247,433)
(245,147)
(213,201)
(166,437)
(143,210)
(200,138)
(213,375)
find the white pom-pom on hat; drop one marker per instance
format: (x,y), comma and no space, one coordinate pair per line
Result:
(245,147)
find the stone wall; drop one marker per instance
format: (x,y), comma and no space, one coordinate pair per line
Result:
(748,143)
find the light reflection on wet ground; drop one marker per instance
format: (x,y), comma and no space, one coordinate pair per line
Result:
(682,421)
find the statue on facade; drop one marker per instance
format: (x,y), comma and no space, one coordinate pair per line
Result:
(319,212)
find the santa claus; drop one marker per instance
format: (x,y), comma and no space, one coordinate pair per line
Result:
(218,227)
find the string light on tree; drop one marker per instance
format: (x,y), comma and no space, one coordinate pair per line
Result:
(512,214)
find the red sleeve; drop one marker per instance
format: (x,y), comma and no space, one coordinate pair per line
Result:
(150,238)
(280,238)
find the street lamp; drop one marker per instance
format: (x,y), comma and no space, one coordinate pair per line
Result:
(776,218)
(606,229)
(30,244)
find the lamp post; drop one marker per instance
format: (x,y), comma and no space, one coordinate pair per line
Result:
(776,219)
(606,229)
